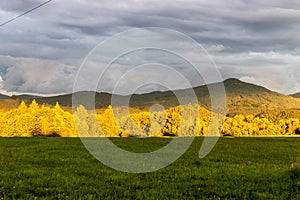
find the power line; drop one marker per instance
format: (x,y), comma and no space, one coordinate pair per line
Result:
(28,11)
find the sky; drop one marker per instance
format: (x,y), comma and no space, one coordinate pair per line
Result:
(42,52)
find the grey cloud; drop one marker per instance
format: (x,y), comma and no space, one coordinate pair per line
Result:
(241,24)
(63,32)
(27,75)
(18,6)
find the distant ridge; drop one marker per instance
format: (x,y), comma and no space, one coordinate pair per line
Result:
(28,96)
(21,96)
(241,98)
(2,96)
(297,95)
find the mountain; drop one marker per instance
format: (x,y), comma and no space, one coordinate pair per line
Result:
(242,98)
(297,95)
(21,96)
(248,98)
(102,99)
(28,97)
(2,96)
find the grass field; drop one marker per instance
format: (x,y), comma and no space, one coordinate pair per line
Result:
(237,168)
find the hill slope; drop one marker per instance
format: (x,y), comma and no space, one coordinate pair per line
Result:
(242,98)
(7,104)
(297,95)
(2,96)
(247,98)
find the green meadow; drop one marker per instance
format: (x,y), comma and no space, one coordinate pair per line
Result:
(237,168)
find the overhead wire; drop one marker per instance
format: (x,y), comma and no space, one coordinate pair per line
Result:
(28,11)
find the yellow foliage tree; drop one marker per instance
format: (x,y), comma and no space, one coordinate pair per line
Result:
(35,120)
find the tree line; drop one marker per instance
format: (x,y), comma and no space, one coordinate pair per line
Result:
(187,120)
